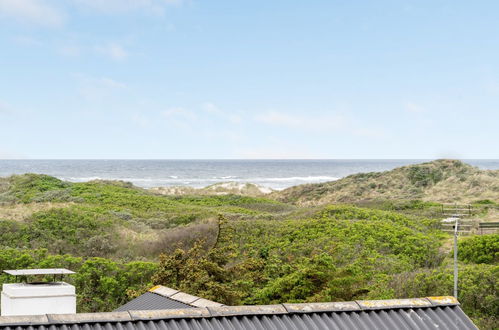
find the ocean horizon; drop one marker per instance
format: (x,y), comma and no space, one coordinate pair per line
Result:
(271,173)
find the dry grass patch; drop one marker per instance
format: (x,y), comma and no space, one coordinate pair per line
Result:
(21,212)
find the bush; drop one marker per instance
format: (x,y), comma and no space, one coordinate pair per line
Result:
(27,187)
(477,290)
(479,249)
(424,176)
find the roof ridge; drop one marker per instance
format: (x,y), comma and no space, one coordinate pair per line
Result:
(183,297)
(219,311)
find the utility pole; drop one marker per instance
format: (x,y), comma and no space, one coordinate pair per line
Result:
(455,257)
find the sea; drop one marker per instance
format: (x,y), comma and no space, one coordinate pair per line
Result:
(275,174)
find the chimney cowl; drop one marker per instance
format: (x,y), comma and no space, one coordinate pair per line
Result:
(38,298)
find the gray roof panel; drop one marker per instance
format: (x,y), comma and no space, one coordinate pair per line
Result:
(152,301)
(161,297)
(440,314)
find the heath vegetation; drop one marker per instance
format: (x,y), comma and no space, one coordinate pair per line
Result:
(303,244)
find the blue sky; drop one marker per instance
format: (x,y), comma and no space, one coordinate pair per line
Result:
(249,79)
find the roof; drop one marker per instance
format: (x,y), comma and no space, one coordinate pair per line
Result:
(42,271)
(420,313)
(161,297)
(152,301)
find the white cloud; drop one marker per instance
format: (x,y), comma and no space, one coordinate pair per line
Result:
(214,110)
(311,122)
(414,108)
(98,88)
(235,119)
(211,108)
(32,12)
(6,109)
(206,116)
(324,123)
(27,41)
(370,132)
(277,151)
(3,107)
(492,87)
(419,116)
(70,51)
(279,119)
(179,113)
(112,50)
(111,83)
(120,6)
(141,120)
(7,154)
(181,118)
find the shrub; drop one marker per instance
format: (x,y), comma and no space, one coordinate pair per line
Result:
(424,176)
(29,186)
(477,290)
(479,249)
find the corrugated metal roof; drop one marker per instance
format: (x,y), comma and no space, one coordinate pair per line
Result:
(152,301)
(161,297)
(426,313)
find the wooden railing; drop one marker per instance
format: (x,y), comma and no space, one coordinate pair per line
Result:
(488,226)
(457,210)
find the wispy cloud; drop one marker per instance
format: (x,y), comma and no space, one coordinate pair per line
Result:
(120,6)
(37,12)
(177,112)
(98,88)
(140,120)
(180,117)
(414,108)
(113,50)
(323,123)
(8,154)
(275,154)
(276,149)
(310,122)
(70,51)
(3,108)
(27,41)
(212,109)
(7,109)
(492,87)
(370,132)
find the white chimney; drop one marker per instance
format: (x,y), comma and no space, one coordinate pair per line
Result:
(37,298)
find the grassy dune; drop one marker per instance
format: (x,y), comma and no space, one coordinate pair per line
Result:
(443,180)
(113,219)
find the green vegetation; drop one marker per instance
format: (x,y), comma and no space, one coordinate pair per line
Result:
(335,255)
(480,249)
(443,180)
(477,288)
(236,249)
(115,219)
(102,284)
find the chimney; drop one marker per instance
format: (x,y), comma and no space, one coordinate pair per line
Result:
(38,298)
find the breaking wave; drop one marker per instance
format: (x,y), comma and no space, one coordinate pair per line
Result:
(174,180)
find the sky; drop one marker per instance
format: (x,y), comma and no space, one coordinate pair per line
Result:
(193,79)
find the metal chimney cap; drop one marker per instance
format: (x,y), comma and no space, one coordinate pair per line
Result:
(42,271)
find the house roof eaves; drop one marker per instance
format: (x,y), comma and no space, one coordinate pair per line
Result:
(224,311)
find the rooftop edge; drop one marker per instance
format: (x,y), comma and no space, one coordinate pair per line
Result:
(221,311)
